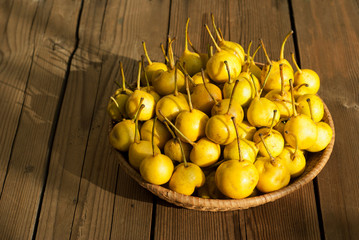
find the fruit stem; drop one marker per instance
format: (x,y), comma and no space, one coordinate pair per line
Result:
(137,139)
(272,124)
(123,77)
(183,154)
(175,128)
(266,147)
(213,40)
(186,37)
(310,108)
(265,80)
(188,94)
(170,130)
(228,71)
(293,101)
(265,52)
(193,48)
(145,74)
(255,52)
(210,51)
(153,136)
(296,144)
(255,87)
(281,56)
(281,79)
(238,145)
(301,85)
(176,88)
(219,36)
(139,75)
(231,98)
(170,52)
(164,53)
(146,53)
(116,103)
(182,67)
(296,64)
(138,109)
(205,86)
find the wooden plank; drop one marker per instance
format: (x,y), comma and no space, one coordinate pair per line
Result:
(16,50)
(241,21)
(38,68)
(328,37)
(81,199)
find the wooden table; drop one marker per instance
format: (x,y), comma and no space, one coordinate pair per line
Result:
(59,177)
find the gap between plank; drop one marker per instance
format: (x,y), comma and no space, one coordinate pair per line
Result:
(315,180)
(56,118)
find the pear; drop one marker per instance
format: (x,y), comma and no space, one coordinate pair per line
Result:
(236,178)
(261,109)
(273,175)
(193,60)
(301,126)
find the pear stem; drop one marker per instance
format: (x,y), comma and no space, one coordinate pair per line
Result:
(301,85)
(220,38)
(296,64)
(293,101)
(139,75)
(265,52)
(255,52)
(210,51)
(182,67)
(281,79)
(193,48)
(183,154)
(176,88)
(137,140)
(188,94)
(170,130)
(310,108)
(186,36)
(213,40)
(205,86)
(164,53)
(272,124)
(231,98)
(238,145)
(116,103)
(265,80)
(145,74)
(281,56)
(228,71)
(123,77)
(176,129)
(146,53)
(153,136)
(170,53)
(138,109)
(296,143)
(266,147)
(255,87)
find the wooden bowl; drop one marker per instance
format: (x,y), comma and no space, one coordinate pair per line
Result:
(315,163)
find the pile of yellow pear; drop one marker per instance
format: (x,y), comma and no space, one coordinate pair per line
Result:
(215,125)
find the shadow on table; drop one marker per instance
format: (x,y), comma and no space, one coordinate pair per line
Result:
(83,163)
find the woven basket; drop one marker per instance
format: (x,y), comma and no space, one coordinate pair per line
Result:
(315,163)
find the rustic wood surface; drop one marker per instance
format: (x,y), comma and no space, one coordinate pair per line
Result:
(59,178)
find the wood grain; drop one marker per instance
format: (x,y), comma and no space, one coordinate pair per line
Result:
(81,193)
(31,31)
(328,44)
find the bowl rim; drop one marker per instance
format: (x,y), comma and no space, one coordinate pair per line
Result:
(204,204)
